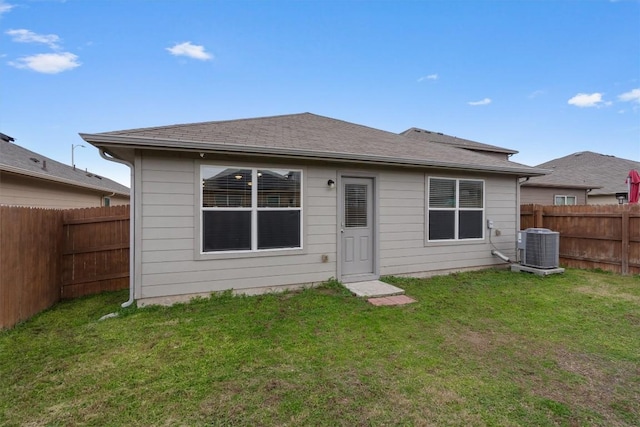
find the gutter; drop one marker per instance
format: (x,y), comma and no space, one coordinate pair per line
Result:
(49,177)
(132,239)
(199,147)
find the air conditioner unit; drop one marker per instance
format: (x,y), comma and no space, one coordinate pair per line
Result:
(539,248)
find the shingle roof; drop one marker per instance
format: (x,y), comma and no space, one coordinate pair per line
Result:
(16,159)
(440,138)
(306,135)
(589,169)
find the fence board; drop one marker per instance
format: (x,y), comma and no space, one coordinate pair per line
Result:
(30,246)
(591,236)
(95,250)
(49,254)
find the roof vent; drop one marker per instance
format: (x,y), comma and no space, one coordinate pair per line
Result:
(440,133)
(6,138)
(34,160)
(98,176)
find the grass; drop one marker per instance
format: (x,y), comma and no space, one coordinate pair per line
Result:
(486,348)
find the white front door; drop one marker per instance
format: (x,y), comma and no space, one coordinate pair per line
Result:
(357,229)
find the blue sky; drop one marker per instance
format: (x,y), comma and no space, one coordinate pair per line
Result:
(546,78)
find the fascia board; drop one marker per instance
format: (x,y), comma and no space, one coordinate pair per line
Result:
(46,177)
(574,186)
(101,140)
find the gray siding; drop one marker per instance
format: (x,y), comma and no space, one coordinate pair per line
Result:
(402,226)
(169,241)
(169,263)
(602,199)
(546,196)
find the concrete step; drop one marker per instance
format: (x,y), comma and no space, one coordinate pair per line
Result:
(373,288)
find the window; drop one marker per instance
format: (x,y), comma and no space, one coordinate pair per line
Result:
(564,200)
(355,205)
(455,209)
(106,201)
(249,209)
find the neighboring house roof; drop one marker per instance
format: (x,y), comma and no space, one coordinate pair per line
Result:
(586,169)
(440,138)
(308,136)
(19,160)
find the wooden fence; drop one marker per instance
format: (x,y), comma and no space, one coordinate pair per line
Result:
(95,254)
(48,254)
(30,250)
(591,236)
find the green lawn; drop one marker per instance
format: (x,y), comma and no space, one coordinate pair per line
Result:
(488,348)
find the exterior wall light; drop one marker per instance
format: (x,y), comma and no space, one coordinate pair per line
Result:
(331,183)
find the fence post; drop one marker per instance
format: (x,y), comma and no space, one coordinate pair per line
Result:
(537,216)
(625,242)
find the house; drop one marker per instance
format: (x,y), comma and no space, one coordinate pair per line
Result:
(31,179)
(265,203)
(580,178)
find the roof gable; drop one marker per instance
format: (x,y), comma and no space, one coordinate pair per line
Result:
(306,135)
(16,159)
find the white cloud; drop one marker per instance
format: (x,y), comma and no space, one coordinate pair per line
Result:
(190,50)
(48,63)
(485,101)
(588,100)
(632,96)
(5,7)
(429,77)
(537,93)
(26,36)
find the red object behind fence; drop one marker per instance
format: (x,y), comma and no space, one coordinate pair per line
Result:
(634,186)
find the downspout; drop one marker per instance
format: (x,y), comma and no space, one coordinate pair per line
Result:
(132,239)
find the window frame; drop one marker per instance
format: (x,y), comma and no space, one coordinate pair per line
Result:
(456,210)
(200,253)
(565,197)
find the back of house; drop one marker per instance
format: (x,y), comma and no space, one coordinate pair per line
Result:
(269,203)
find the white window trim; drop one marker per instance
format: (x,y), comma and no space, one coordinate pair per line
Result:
(456,210)
(254,251)
(565,196)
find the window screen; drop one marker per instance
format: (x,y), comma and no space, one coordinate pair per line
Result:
(278,229)
(442,225)
(226,230)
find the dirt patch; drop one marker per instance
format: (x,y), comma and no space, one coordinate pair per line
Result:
(475,342)
(586,381)
(604,292)
(581,382)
